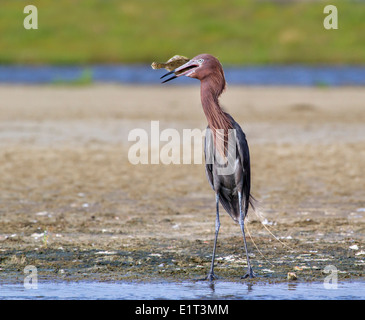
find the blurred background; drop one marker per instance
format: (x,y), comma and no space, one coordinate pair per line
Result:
(252,33)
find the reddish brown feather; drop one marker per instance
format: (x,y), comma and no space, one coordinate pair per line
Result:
(211,88)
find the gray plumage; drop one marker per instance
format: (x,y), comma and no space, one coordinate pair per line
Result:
(227,186)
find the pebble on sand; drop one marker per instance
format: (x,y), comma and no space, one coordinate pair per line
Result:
(292,276)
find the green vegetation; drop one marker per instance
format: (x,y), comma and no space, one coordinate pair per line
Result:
(126,31)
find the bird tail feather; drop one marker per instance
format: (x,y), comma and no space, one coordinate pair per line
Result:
(253,201)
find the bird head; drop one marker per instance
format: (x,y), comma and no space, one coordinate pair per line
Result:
(200,67)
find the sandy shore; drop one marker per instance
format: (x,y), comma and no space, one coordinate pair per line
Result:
(74,206)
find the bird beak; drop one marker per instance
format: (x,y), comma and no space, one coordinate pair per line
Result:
(167,74)
(184,70)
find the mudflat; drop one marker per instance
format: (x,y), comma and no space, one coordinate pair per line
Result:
(73,205)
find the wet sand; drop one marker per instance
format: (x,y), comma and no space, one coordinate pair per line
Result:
(72,204)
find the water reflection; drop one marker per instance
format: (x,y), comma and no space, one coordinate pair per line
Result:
(215,288)
(183,290)
(212,287)
(292,286)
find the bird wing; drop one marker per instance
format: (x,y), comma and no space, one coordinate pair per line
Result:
(244,155)
(228,199)
(208,145)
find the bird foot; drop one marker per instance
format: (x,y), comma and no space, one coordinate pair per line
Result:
(250,274)
(210,277)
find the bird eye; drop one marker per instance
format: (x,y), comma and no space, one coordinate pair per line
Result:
(200,60)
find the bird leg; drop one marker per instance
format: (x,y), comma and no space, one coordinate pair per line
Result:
(211,276)
(250,273)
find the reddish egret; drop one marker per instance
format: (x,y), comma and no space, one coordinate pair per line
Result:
(231,190)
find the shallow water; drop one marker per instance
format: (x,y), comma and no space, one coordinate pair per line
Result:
(186,290)
(301,75)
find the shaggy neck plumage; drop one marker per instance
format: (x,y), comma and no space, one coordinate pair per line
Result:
(211,88)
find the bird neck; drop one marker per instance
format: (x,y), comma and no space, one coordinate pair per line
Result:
(210,91)
(216,117)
